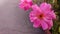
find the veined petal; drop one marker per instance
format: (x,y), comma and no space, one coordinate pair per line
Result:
(53,15)
(45,7)
(32,14)
(33,19)
(36,8)
(49,22)
(44,25)
(37,23)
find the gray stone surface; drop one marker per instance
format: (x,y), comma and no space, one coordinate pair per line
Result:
(14,20)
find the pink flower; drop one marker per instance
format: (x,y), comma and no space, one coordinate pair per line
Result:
(42,16)
(25,4)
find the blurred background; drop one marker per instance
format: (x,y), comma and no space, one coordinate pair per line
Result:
(14,20)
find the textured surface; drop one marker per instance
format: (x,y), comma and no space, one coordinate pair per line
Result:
(14,20)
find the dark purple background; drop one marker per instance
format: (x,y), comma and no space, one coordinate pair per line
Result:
(14,20)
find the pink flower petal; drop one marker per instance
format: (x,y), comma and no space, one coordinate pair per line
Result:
(33,19)
(45,7)
(26,4)
(44,25)
(35,8)
(27,7)
(49,22)
(37,24)
(32,16)
(21,5)
(53,15)
(29,0)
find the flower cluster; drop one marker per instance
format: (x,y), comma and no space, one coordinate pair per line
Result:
(41,16)
(25,4)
